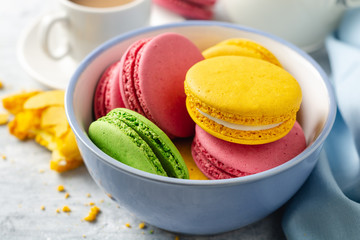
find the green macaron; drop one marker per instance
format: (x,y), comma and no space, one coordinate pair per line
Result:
(135,141)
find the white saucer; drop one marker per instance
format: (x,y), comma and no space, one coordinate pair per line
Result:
(56,74)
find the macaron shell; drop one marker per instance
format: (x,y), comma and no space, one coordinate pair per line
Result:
(126,76)
(241,47)
(239,160)
(113,98)
(244,86)
(201,158)
(161,73)
(187,9)
(99,97)
(107,94)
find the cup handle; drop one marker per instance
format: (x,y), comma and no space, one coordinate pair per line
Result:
(351,3)
(47,23)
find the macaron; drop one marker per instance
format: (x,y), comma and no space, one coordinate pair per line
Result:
(152,80)
(242,99)
(191,9)
(135,141)
(107,94)
(219,159)
(241,47)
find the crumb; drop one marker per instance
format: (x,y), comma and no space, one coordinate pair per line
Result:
(177,238)
(91,203)
(3,157)
(42,207)
(102,200)
(4,118)
(66,209)
(142,225)
(88,195)
(61,188)
(127,225)
(1,84)
(94,211)
(109,195)
(41,170)
(67,195)
(58,210)
(84,236)
(151,231)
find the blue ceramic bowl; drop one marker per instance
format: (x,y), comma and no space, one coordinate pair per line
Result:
(203,206)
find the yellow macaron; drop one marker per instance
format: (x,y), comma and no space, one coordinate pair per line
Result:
(241,47)
(242,99)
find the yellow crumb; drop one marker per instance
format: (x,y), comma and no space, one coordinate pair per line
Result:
(40,115)
(102,200)
(42,207)
(177,238)
(66,209)
(3,157)
(41,170)
(4,118)
(1,84)
(91,203)
(67,195)
(14,103)
(109,195)
(94,211)
(61,188)
(127,225)
(84,236)
(142,225)
(88,195)
(58,210)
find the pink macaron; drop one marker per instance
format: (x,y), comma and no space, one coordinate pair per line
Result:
(191,9)
(152,81)
(219,159)
(107,93)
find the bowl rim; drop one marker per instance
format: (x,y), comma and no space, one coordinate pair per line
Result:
(85,140)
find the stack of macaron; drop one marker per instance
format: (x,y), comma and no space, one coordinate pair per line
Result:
(234,101)
(190,9)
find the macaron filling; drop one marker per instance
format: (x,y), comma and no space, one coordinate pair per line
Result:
(240,127)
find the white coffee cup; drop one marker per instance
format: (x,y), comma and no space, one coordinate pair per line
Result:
(86,27)
(305,23)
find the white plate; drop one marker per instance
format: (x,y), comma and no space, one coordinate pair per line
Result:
(56,74)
